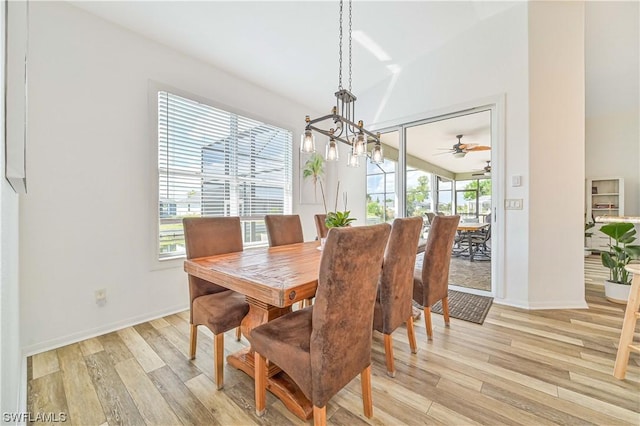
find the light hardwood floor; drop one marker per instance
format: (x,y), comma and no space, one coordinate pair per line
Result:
(519,367)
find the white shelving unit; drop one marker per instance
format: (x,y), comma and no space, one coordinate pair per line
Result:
(604,197)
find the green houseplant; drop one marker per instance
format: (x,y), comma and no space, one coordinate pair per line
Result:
(621,252)
(338,219)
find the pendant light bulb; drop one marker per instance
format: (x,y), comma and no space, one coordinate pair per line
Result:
(332,153)
(353,160)
(376,154)
(360,145)
(307,142)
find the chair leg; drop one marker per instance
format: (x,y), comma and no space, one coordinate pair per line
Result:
(238,334)
(319,416)
(411,333)
(261,384)
(193,340)
(427,322)
(388,351)
(628,326)
(367,401)
(218,359)
(445,310)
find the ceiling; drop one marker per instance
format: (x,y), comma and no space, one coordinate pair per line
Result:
(291,47)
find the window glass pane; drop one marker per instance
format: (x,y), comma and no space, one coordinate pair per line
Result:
(215,163)
(445,197)
(419,199)
(381,192)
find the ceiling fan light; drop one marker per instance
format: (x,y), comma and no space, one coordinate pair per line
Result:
(459,154)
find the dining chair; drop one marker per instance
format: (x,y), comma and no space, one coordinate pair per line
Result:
(283,229)
(214,306)
(393,304)
(321,225)
(323,347)
(431,283)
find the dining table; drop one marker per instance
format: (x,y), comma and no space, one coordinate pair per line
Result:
(272,279)
(468,230)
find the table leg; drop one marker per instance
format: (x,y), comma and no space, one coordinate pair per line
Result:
(278,382)
(470,238)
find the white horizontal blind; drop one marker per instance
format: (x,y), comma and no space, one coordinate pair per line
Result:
(215,163)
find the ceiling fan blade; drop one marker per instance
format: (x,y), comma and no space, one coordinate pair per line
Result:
(467,145)
(440,153)
(479,148)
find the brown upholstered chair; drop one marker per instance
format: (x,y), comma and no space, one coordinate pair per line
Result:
(395,288)
(283,229)
(431,283)
(214,306)
(321,225)
(323,347)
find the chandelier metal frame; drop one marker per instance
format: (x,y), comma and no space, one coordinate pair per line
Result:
(342,115)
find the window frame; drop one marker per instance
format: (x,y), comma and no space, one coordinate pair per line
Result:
(154,231)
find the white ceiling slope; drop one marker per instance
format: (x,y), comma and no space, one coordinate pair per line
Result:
(291,48)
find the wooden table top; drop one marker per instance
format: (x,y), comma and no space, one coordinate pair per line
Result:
(279,276)
(634,268)
(471,226)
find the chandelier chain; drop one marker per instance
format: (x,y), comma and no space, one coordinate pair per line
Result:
(350,45)
(340,51)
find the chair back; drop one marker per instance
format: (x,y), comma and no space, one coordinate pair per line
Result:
(396,280)
(340,346)
(437,257)
(208,236)
(321,225)
(283,229)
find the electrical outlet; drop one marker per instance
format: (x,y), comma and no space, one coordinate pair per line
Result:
(101,296)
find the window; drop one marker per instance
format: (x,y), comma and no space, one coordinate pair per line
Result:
(215,163)
(381,192)
(418,199)
(445,188)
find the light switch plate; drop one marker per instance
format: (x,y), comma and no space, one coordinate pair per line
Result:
(513,204)
(516,180)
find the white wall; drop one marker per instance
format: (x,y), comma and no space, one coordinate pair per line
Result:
(612,62)
(556,154)
(11,365)
(84,222)
(488,61)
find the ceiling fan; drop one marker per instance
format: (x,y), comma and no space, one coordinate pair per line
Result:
(459,150)
(486,171)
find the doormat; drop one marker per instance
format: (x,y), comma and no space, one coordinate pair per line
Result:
(466,306)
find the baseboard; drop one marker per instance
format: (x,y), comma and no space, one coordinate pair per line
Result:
(98,331)
(570,304)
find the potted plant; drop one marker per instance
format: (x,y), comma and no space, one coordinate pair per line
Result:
(338,219)
(621,252)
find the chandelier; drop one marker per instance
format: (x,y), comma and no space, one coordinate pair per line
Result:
(345,129)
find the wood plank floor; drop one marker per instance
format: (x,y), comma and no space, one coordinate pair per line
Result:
(519,367)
